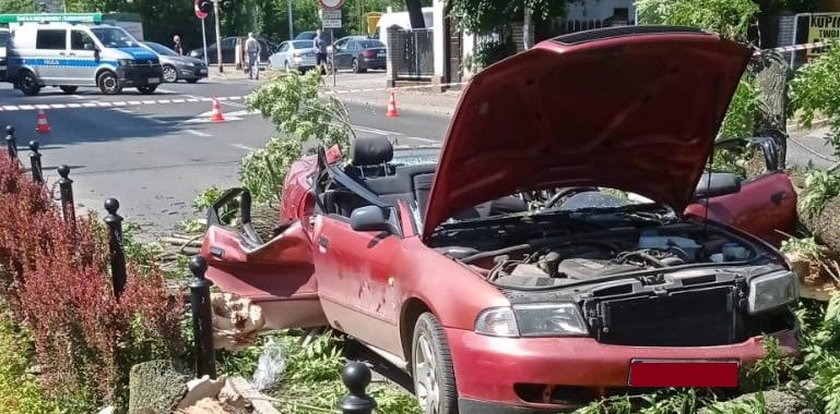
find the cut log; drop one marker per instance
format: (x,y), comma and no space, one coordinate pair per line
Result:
(265,218)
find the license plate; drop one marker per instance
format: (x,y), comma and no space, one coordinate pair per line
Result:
(380,55)
(660,373)
(154,80)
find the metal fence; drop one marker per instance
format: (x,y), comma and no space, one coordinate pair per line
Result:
(411,53)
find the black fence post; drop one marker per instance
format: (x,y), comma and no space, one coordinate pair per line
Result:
(114,222)
(65,185)
(11,142)
(35,160)
(356,377)
(205,362)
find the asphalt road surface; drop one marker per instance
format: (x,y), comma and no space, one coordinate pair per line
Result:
(156,158)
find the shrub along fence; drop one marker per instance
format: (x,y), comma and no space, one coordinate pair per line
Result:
(93,314)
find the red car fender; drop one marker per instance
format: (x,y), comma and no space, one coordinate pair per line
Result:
(452,292)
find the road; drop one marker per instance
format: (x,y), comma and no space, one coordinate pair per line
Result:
(156,158)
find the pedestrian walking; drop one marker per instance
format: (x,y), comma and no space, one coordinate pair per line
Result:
(178,47)
(252,46)
(321,55)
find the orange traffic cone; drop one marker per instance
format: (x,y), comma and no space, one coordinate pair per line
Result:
(43,126)
(392,107)
(216,116)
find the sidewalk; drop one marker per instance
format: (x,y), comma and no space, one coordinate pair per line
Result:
(410,100)
(808,145)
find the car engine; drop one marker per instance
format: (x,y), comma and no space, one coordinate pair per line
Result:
(572,260)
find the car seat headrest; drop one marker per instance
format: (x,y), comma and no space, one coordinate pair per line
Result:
(372,151)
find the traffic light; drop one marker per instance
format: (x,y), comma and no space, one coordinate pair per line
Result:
(227,5)
(205,6)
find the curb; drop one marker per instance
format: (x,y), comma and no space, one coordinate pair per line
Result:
(430,109)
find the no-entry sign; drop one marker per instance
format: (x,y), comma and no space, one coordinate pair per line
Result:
(331,4)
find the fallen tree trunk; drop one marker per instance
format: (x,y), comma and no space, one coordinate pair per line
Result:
(825,225)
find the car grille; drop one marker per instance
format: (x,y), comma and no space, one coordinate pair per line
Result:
(697,317)
(148,62)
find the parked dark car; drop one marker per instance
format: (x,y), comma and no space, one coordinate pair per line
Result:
(359,53)
(177,67)
(229,50)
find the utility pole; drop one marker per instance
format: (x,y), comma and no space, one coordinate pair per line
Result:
(291,20)
(216,9)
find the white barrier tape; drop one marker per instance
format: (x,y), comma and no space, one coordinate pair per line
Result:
(105,104)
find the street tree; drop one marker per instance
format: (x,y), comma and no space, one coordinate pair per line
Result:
(17,6)
(483,16)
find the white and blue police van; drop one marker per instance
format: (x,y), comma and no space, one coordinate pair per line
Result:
(69,51)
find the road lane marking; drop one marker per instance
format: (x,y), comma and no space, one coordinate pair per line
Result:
(197,133)
(243,147)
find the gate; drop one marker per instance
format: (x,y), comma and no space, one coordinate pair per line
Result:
(411,53)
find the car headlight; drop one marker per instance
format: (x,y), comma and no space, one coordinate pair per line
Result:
(772,291)
(189,65)
(125,62)
(532,320)
(497,322)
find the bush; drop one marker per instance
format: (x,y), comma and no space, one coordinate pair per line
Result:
(55,279)
(489,53)
(19,392)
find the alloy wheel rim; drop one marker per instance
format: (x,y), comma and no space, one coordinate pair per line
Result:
(425,372)
(110,83)
(169,74)
(29,82)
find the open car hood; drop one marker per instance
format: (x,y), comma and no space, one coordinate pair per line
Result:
(633,108)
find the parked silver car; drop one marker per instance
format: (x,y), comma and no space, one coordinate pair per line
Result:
(177,67)
(293,55)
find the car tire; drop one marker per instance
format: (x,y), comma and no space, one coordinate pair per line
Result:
(170,74)
(356,67)
(147,89)
(69,89)
(108,83)
(28,83)
(194,80)
(431,367)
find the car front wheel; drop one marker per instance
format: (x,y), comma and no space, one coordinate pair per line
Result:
(28,84)
(431,368)
(170,75)
(108,83)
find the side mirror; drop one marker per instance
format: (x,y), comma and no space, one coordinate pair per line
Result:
(371,218)
(717,184)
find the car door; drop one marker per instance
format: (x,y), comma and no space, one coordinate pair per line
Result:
(51,50)
(278,274)
(339,51)
(229,50)
(356,279)
(282,56)
(765,206)
(84,59)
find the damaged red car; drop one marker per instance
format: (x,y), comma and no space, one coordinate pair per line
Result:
(568,241)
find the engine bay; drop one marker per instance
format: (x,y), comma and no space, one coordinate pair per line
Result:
(630,246)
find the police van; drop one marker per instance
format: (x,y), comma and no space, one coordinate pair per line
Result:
(70,53)
(4,39)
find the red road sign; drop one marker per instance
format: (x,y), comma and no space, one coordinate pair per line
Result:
(198,13)
(331,4)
